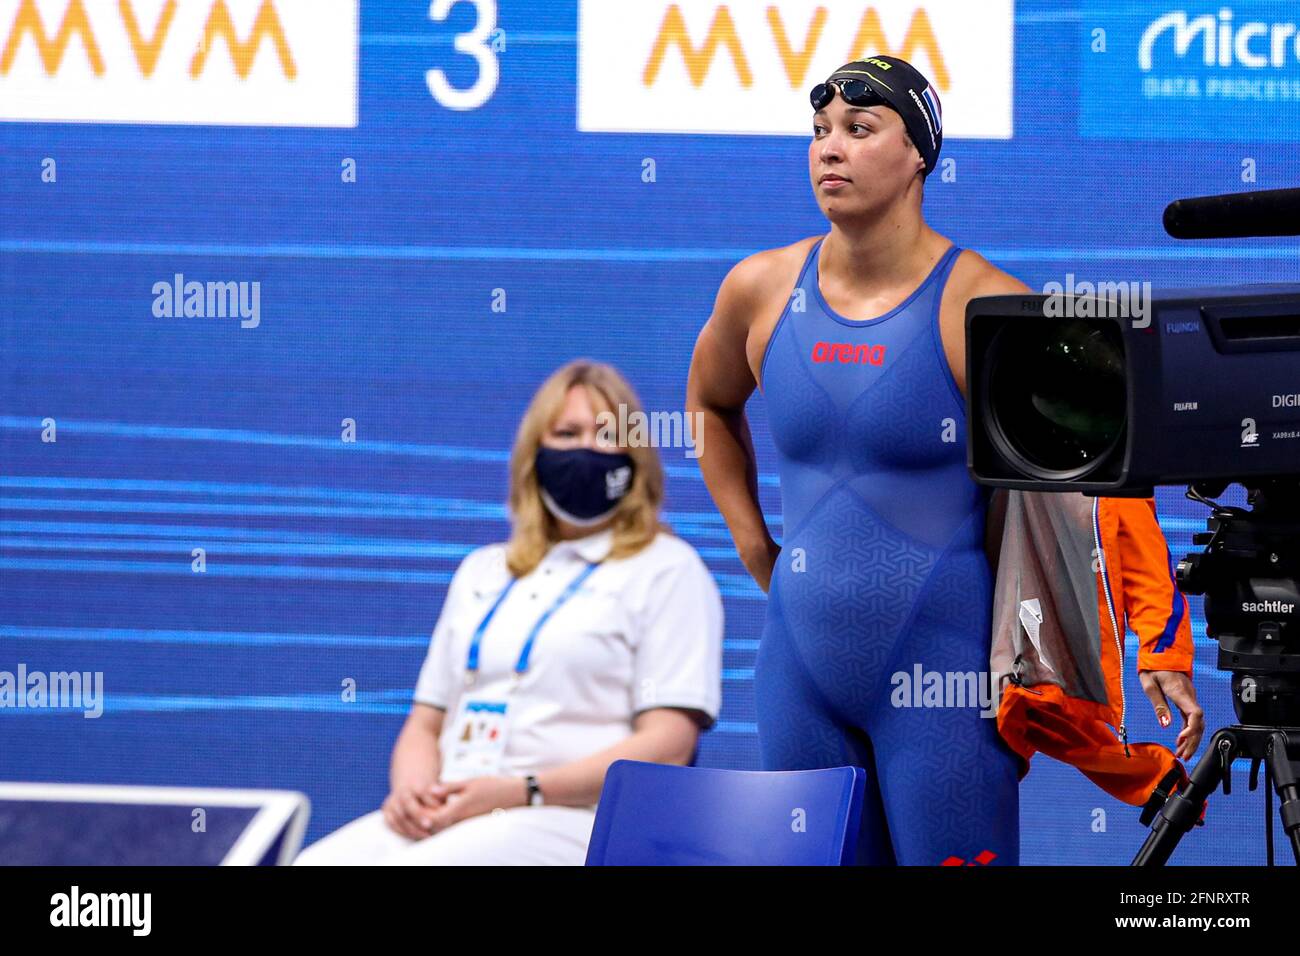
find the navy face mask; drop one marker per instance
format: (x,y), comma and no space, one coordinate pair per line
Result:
(583,486)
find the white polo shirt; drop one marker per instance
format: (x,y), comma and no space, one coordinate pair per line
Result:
(640,632)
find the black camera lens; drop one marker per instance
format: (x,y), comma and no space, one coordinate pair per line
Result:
(1055,395)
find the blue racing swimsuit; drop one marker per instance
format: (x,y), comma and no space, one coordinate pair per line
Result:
(882,581)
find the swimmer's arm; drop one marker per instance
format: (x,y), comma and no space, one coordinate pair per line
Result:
(719,384)
(974,277)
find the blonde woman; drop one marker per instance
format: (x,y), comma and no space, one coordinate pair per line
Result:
(592,635)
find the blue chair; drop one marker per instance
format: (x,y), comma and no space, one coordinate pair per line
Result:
(663,815)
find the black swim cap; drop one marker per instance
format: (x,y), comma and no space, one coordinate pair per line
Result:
(905,89)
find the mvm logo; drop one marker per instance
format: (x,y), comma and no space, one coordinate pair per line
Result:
(219,27)
(257,62)
(869,38)
(701,66)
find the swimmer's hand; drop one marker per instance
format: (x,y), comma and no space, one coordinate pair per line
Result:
(759,560)
(1164,686)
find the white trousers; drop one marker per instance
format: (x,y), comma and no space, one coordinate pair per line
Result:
(519,836)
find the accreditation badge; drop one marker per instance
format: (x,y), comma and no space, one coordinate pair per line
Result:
(478,746)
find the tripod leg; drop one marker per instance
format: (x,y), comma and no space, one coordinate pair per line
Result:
(1268,813)
(1284,781)
(1183,809)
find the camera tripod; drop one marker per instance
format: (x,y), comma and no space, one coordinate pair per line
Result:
(1248,574)
(1277,748)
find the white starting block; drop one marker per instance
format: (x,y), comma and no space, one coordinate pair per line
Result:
(58,824)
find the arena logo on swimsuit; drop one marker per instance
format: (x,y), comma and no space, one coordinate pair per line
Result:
(848,353)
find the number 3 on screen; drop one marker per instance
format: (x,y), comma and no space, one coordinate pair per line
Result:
(475,43)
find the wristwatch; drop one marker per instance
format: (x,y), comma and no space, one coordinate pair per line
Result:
(534,791)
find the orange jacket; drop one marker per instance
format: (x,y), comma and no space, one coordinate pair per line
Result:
(1072,572)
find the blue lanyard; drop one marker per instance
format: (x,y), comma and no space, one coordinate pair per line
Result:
(471,665)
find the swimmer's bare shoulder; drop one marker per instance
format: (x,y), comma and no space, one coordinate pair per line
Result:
(749,303)
(972,276)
